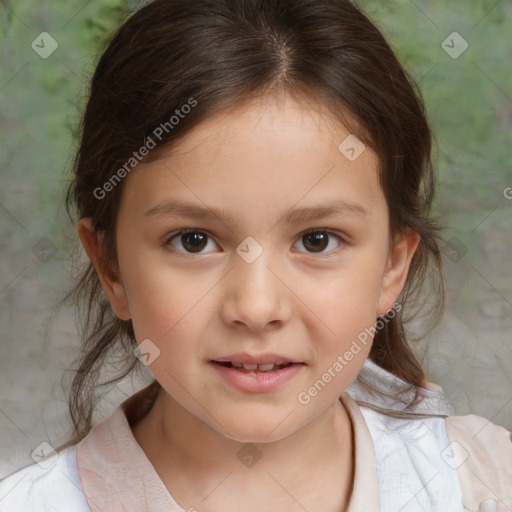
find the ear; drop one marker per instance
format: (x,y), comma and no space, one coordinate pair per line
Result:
(110,279)
(397,269)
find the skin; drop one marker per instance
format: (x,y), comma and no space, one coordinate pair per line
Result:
(258,161)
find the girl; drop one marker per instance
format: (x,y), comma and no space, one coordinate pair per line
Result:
(253,189)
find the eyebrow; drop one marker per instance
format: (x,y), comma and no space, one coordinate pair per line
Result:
(181,209)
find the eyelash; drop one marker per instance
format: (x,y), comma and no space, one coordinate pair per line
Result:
(177,234)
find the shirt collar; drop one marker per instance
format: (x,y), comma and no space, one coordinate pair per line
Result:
(115,473)
(382,391)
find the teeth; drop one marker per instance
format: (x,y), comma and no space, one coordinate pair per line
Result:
(260,367)
(265,367)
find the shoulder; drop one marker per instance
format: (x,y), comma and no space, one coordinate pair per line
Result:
(468,458)
(482,453)
(463,459)
(51,485)
(482,438)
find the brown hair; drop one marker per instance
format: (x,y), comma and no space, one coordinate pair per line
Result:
(222,53)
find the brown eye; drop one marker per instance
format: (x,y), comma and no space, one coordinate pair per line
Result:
(316,241)
(193,242)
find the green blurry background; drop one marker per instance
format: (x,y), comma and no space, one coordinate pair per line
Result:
(469,102)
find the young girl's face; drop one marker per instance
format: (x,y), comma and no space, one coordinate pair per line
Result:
(247,285)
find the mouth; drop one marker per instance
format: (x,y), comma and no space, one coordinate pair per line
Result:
(257,374)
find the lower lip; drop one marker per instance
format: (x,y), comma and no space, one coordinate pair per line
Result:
(257,382)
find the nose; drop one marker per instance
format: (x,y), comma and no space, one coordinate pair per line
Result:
(256,297)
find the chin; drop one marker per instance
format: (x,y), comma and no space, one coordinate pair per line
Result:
(253,429)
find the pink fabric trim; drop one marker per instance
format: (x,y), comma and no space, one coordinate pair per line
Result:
(365,495)
(115,473)
(482,454)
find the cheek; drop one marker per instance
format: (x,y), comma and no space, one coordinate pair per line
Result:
(342,349)
(348,295)
(161,299)
(343,313)
(168,312)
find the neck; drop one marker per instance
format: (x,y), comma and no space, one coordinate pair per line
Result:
(184,449)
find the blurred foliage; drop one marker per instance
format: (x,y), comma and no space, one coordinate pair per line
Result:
(42,99)
(469,104)
(468,99)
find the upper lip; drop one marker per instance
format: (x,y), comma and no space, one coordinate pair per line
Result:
(256,359)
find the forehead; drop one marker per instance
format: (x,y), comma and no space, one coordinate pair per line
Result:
(260,120)
(261,154)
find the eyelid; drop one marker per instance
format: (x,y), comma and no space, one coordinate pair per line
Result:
(330,231)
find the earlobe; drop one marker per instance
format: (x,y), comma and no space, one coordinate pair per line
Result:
(110,280)
(397,269)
